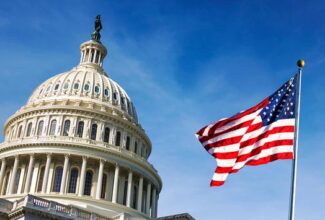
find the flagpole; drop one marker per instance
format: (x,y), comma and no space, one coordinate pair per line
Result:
(300,65)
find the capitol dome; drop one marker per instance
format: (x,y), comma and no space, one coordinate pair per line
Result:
(77,141)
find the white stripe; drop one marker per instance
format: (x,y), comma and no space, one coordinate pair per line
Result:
(265,153)
(220,176)
(279,123)
(270,138)
(226,162)
(225,149)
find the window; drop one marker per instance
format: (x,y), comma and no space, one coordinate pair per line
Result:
(136,147)
(66,128)
(53,127)
(86,87)
(88,183)
(16,181)
(106,92)
(135,196)
(127,145)
(48,88)
(19,131)
(97,89)
(40,179)
(115,96)
(40,92)
(118,139)
(97,57)
(93,132)
(29,129)
(104,182)
(106,134)
(66,86)
(80,128)
(40,128)
(56,87)
(57,179)
(125,191)
(76,86)
(73,181)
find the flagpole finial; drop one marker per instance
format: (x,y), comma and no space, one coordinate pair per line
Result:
(301,63)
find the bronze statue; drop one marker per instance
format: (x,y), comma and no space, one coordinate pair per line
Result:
(98,26)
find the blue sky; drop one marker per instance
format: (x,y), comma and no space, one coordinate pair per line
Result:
(186,64)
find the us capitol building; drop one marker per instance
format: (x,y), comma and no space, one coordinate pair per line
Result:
(76,150)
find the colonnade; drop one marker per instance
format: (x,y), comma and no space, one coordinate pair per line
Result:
(24,174)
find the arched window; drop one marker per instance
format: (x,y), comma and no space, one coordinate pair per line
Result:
(118,139)
(19,131)
(16,181)
(29,129)
(57,179)
(66,128)
(88,183)
(5,183)
(56,87)
(40,179)
(104,182)
(93,132)
(80,128)
(76,86)
(136,147)
(134,196)
(73,180)
(127,145)
(40,128)
(106,134)
(53,127)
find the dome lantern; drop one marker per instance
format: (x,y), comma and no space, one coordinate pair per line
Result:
(93,52)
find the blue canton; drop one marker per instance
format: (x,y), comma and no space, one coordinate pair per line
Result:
(282,103)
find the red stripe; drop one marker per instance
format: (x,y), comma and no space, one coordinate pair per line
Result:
(259,149)
(222,123)
(273,157)
(224,142)
(280,129)
(236,127)
(216,183)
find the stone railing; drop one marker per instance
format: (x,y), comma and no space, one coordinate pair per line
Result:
(52,208)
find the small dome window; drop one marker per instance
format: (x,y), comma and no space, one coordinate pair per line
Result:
(40,91)
(56,87)
(76,86)
(86,87)
(48,88)
(66,86)
(115,95)
(97,89)
(122,100)
(106,92)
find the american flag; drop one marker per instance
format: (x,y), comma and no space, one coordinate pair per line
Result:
(259,135)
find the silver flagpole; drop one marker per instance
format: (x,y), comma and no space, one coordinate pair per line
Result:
(300,64)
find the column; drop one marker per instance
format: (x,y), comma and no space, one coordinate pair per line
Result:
(94,57)
(29,173)
(129,193)
(148,198)
(100,179)
(13,175)
(2,172)
(46,172)
(82,176)
(154,200)
(64,174)
(140,190)
(115,184)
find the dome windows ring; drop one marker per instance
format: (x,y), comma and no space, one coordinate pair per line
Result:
(56,87)
(66,86)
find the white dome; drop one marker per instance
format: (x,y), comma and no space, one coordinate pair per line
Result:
(87,82)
